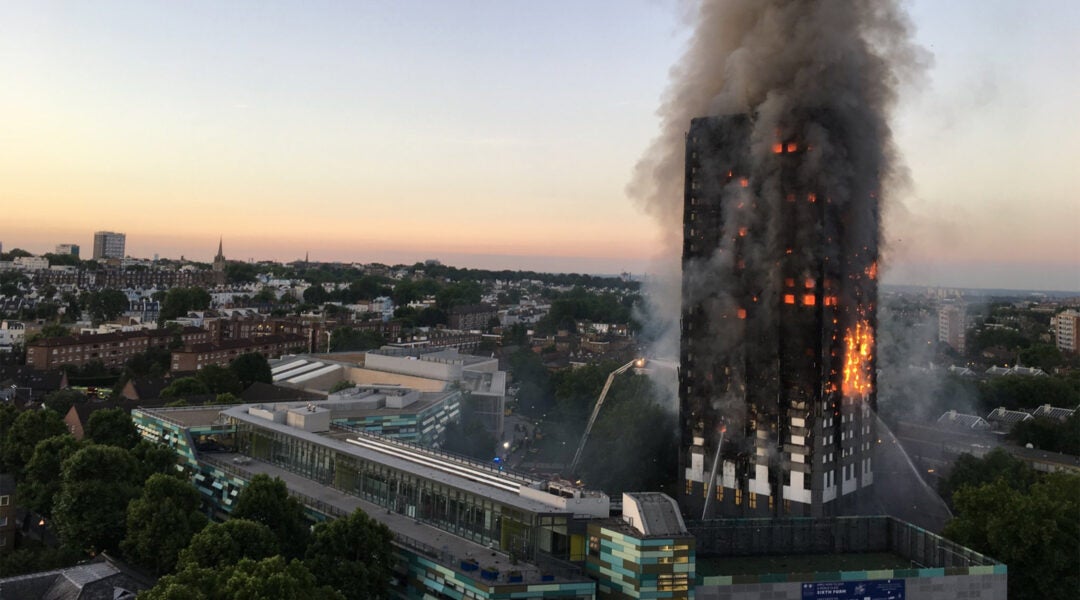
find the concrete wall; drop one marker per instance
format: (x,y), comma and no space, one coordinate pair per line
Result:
(411,366)
(946,587)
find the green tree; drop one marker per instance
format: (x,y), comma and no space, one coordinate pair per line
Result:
(61,401)
(267,501)
(105,305)
(353,555)
(161,523)
(113,427)
(219,380)
(1016,392)
(404,293)
(41,482)
(227,398)
(8,414)
(344,384)
(346,338)
(250,368)
(33,557)
(238,272)
(29,428)
(1044,356)
(179,301)
(67,260)
(185,386)
(153,458)
(461,293)
(52,330)
(1036,533)
(223,544)
(969,471)
(1050,434)
(96,484)
(152,363)
(268,579)
(633,444)
(316,295)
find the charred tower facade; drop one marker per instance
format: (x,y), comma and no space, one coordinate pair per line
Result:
(779,289)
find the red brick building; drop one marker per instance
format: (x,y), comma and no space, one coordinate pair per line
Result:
(472,316)
(193,357)
(113,349)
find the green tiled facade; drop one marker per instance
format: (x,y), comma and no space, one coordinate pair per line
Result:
(631,566)
(424,427)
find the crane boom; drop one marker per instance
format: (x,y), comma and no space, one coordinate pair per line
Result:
(596,409)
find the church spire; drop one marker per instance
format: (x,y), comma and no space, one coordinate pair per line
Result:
(219,260)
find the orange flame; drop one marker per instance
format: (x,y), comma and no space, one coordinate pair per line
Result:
(871,271)
(859,346)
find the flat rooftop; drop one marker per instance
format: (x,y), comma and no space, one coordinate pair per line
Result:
(447,548)
(430,466)
(188,416)
(709,566)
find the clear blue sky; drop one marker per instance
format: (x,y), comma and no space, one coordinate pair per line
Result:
(496,134)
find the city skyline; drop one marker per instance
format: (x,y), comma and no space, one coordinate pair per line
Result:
(498,136)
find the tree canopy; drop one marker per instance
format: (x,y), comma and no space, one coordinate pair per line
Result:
(96,484)
(266,500)
(268,579)
(250,368)
(353,555)
(41,482)
(185,386)
(223,544)
(219,380)
(180,300)
(1035,532)
(112,426)
(29,428)
(105,305)
(161,522)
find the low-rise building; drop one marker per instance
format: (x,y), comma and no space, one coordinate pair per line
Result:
(468,529)
(112,349)
(192,357)
(472,316)
(12,333)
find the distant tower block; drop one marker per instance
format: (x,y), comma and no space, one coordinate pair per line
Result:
(109,244)
(777,380)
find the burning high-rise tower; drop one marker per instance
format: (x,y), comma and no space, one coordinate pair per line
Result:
(781,221)
(779,267)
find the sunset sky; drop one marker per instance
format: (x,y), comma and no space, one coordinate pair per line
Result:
(490,133)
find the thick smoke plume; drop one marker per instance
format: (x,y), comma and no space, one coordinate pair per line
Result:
(787,64)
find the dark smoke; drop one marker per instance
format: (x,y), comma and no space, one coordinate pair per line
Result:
(782,61)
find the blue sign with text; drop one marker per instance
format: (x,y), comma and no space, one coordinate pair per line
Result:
(882,589)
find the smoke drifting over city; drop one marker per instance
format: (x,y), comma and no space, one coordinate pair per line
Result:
(827,72)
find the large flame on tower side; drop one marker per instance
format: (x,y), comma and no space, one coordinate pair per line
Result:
(858,351)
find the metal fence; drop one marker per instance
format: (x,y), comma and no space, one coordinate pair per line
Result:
(831,535)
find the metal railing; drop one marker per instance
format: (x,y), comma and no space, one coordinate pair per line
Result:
(460,459)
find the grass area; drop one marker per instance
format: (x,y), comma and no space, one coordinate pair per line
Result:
(799,563)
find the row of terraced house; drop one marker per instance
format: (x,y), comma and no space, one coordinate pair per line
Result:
(197,348)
